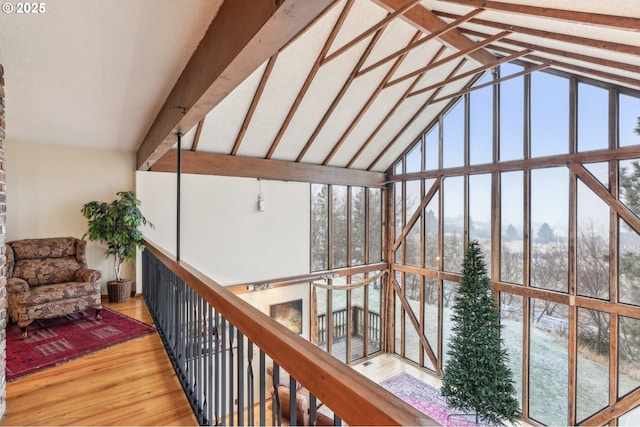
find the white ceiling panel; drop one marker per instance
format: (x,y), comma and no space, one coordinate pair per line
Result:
(321,95)
(288,76)
(223,123)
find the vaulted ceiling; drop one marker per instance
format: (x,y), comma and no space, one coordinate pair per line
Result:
(357,86)
(323,85)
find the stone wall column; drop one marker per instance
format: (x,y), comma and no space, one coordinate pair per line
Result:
(3,271)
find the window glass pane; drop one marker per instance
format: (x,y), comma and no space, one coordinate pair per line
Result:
(357,225)
(550,228)
(592,388)
(412,241)
(398,207)
(453,191)
(414,158)
(319,227)
(592,244)
(358,315)
(600,171)
(432,148)
(548,362)
(593,117)
(481,123)
(398,316)
(549,114)
(374,291)
(375,225)
(480,214)
(511,114)
(339,234)
(629,184)
(629,111)
(453,136)
(449,292)
(323,321)
(511,334)
(412,294)
(431,212)
(430,327)
(629,265)
(339,320)
(512,220)
(629,240)
(399,168)
(631,418)
(628,360)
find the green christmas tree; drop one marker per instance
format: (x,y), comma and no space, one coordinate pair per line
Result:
(477,378)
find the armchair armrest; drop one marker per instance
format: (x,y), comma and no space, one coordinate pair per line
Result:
(88,275)
(17,286)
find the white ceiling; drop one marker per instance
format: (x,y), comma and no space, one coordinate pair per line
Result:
(96,72)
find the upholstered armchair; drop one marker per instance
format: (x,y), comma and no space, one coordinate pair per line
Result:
(49,278)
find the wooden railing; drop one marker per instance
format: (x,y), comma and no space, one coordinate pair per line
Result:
(214,316)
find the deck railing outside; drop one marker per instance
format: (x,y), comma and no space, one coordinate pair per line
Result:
(339,325)
(220,347)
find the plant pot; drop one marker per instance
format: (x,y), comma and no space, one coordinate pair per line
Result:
(119,291)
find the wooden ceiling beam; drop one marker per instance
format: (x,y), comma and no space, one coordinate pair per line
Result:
(601,75)
(368,104)
(582,41)
(241,37)
(450,58)
(414,117)
(472,72)
(563,53)
(310,77)
(613,21)
(383,23)
(427,22)
(201,163)
(254,103)
(393,109)
(196,138)
(450,26)
(340,95)
(526,71)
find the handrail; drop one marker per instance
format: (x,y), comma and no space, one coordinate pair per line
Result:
(352,396)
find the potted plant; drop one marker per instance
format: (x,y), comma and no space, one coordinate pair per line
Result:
(118,225)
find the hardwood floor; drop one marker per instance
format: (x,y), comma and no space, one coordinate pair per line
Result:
(128,384)
(385,366)
(131,384)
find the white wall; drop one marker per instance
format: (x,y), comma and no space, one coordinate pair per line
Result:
(222,233)
(48,184)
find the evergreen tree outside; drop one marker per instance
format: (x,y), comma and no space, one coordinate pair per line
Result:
(545,234)
(477,378)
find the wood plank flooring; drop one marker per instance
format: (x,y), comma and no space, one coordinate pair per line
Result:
(128,384)
(131,384)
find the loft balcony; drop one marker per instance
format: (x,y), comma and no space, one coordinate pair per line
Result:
(219,348)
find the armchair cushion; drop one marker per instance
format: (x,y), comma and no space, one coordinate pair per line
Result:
(46,270)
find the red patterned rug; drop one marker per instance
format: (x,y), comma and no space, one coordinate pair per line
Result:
(52,342)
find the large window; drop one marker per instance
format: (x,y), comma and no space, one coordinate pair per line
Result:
(346,226)
(346,232)
(553,198)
